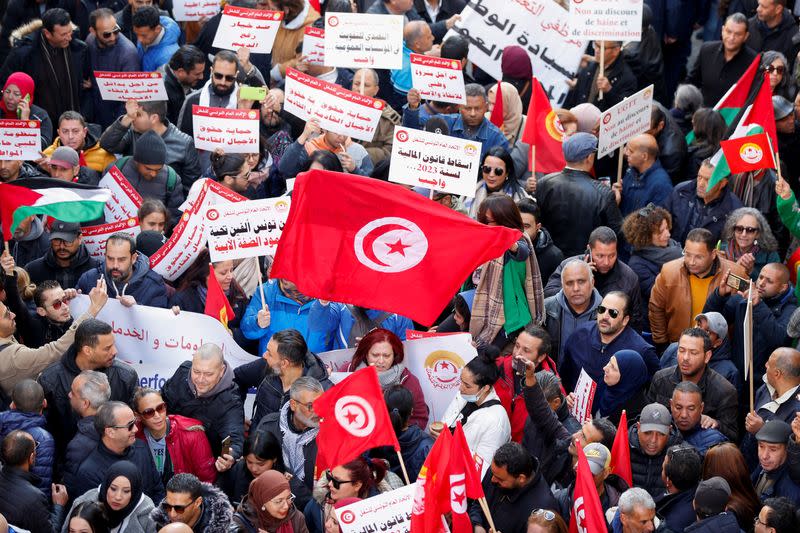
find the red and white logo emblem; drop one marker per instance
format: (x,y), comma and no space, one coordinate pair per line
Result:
(347,516)
(355,415)
(390,244)
(751,153)
(458,493)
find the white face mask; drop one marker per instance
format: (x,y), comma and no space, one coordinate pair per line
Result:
(470,398)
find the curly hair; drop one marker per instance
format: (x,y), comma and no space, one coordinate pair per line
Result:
(766,239)
(639,226)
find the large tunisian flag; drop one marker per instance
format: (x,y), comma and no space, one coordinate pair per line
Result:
(378,245)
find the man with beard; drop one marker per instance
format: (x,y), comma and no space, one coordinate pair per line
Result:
(184,69)
(66,260)
(219,90)
(127,274)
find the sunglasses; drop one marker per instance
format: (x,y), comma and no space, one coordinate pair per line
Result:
(58,303)
(744,229)
(226,77)
(602,309)
(337,483)
(129,426)
(151,412)
(497,171)
(179,509)
(548,515)
(778,70)
(107,34)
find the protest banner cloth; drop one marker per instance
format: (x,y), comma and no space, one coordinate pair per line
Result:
(20,140)
(194,10)
(234,130)
(241,27)
(314,45)
(608,20)
(245,229)
(124,86)
(584,397)
(337,109)
(624,121)
(440,162)
(95,237)
(438,79)
(388,512)
(745,154)
(125,201)
(541,28)
(358,40)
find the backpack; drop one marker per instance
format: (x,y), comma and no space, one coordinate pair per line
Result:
(172,176)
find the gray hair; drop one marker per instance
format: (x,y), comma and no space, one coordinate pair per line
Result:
(770,56)
(474,89)
(766,240)
(736,18)
(688,98)
(579,262)
(304,383)
(208,352)
(94,387)
(106,416)
(635,498)
(375,77)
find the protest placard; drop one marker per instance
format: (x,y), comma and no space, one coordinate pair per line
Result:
(584,397)
(337,109)
(625,121)
(438,162)
(412,334)
(233,130)
(314,45)
(388,512)
(95,237)
(245,229)
(20,140)
(125,201)
(217,193)
(193,10)
(241,27)
(441,80)
(608,20)
(357,40)
(540,27)
(124,86)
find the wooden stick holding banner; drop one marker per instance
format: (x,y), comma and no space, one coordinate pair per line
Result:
(485,507)
(602,67)
(261,288)
(619,164)
(748,341)
(403,466)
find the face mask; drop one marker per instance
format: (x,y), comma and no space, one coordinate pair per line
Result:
(470,398)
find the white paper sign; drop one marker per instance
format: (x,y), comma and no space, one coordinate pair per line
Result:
(241,27)
(584,397)
(356,40)
(217,193)
(607,20)
(234,130)
(125,201)
(245,229)
(624,121)
(437,79)
(20,140)
(192,10)
(538,26)
(314,45)
(337,109)
(95,237)
(388,512)
(438,162)
(124,86)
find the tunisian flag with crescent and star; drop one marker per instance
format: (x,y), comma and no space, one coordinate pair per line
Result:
(587,513)
(379,245)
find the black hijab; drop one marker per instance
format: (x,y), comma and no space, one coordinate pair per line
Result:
(129,471)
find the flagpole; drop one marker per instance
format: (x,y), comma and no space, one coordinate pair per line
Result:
(261,286)
(485,507)
(749,349)
(619,164)
(403,466)
(602,66)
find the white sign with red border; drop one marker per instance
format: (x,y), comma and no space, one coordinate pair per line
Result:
(437,79)
(607,20)
(337,109)
(125,201)
(95,237)
(388,512)
(241,27)
(314,45)
(584,397)
(20,140)
(124,86)
(357,40)
(624,121)
(233,130)
(245,229)
(194,10)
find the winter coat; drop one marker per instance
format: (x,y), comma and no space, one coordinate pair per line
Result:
(96,158)
(620,76)
(647,468)
(677,509)
(720,361)
(639,189)
(671,147)
(414,447)
(81,445)
(216,517)
(45,268)
(614,487)
(296,157)
(719,396)
(158,54)
(122,57)
(220,410)
(18,13)
(187,448)
(703,439)
(689,212)
(339,318)
(138,521)
(28,508)
(713,75)
(235,482)
(783,484)
(548,255)
(560,321)
(545,436)
(782,38)
(33,329)
(721,523)
(33,245)
(144,285)
(35,424)
(162,187)
(646,263)
(786,411)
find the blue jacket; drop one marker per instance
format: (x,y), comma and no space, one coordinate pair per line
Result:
(783,484)
(638,189)
(786,412)
(647,262)
(487,133)
(337,318)
(688,211)
(719,523)
(401,78)
(34,424)
(720,362)
(676,509)
(414,447)
(158,54)
(703,439)
(81,445)
(285,313)
(145,286)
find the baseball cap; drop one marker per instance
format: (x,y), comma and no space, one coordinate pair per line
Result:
(64,157)
(716,323)
(66,231)
(578,147)
(655,417)
(598,457)
(774,432)
(712,495)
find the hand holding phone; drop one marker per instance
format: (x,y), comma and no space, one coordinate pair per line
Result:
(226,446)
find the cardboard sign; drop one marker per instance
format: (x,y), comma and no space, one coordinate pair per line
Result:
(356,40)
(254,29)
(234,130)
(584,397)
(439,162)
(337,109)
(606,20)
(20,140)
(95,237)
(437,79)
(125,201)
(624,121)
(314,45)
(192,10)
(124,86)
(388,512)
(245,229)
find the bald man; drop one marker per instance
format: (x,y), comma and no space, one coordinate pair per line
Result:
(417,39)
(646,180)
(175,527)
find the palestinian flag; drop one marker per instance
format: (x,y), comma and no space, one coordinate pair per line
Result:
(62,200)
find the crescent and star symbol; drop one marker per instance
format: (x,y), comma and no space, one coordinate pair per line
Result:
(390,244)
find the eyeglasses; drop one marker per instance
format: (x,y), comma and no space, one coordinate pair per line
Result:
(744,229)
(179,509)
(602,309)
(107,34)
(337,483)
(780,69)
(151,412)
(497,171)
(280,502)
(548,515)
(226,77)
(129,426)
(58,303)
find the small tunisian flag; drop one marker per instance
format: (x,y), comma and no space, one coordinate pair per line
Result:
(586,513)
(378,245)
(621,451)
(353,418)
(217,304)
(748,153)
(432,498)
(465,481)
(544,133)
(496,117)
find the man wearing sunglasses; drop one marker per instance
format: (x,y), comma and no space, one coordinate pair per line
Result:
(219,91)
(191,505)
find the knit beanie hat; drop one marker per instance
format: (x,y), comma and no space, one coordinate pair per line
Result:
(150,149)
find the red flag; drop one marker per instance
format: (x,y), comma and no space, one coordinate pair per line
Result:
(744,154)
(13,197)
(217,304)
(353,418)
(386,248)
(432,494)
(543,131)
(621,452)
(496,117)
(465,481)
(762,112)
(315,5)
(586,513)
